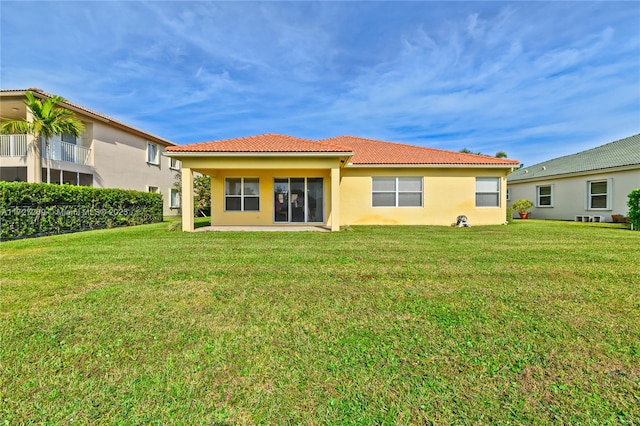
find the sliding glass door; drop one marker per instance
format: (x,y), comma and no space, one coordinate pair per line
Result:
(315,200)
(299,200)
(281,202)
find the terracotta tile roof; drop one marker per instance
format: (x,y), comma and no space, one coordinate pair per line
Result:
(372,152)
(262,143)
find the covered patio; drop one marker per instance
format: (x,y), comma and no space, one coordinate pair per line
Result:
(267,183)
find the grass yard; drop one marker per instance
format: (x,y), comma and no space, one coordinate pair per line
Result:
(532,323)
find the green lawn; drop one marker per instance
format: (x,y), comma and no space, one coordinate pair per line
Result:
(531,323)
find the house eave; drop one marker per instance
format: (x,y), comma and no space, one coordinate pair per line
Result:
(575,174)
(187,154)
(93,115)
(432,166)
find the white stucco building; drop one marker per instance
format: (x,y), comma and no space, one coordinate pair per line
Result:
(588,186)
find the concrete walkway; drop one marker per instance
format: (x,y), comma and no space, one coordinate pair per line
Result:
(281,228)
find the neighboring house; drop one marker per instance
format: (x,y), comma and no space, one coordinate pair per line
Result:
(588,186)
(109,154)
(282,180)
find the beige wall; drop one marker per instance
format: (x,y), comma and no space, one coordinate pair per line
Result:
(570,195)
(447,193)
(120,161)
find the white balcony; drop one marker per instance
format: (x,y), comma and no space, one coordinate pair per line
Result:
(67,152)
(13,145)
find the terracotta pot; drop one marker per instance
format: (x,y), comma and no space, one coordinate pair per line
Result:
(618,218)
(524,215)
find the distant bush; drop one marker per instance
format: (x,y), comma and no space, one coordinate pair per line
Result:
(509,214)
(634,208)
(37,209)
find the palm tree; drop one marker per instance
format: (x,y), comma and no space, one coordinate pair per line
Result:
(47,119)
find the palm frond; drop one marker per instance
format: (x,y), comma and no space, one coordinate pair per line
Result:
(14,126)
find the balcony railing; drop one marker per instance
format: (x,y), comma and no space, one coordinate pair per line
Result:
(16,146)
(64,151)
(13,145)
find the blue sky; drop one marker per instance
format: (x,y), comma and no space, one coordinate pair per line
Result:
(535,79)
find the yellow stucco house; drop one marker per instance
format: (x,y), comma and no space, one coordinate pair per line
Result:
(283,180)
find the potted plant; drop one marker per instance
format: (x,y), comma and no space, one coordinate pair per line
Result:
(618,218)
(522,207)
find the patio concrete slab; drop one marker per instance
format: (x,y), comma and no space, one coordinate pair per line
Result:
(283,228)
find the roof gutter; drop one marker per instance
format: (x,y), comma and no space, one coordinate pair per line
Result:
(187,154)
(433,166)
(576,174)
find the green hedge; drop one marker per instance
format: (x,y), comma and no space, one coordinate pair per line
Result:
(634,208)
(37,209)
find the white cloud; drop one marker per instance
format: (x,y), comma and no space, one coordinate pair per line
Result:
(519,77)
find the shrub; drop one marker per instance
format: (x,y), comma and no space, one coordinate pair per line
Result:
(509,214)
(37,209)
(522,205)
(634,208)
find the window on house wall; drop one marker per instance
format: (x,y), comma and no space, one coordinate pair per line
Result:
(174,197)
(544,196)
(396,192)
(174,163)
(153,189)
(599,194)
(508,194)
(487,192)
(242,194)
(153,153)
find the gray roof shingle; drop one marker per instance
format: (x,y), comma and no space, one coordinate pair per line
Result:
(621,153)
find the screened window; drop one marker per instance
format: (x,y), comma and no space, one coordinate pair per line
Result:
(544,196)
(598,194)
(396,192)
(488,192)
(242,194)
(153,153)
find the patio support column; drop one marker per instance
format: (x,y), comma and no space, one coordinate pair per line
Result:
(335,199)
(187,200)
(34,157)
(211,185)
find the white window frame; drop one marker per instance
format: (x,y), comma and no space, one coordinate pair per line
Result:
(156,157)
(484,179)
(175,164)
(540,196)
(397,191)
(242,195)
(153,189)
(179,201)
(608,194)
